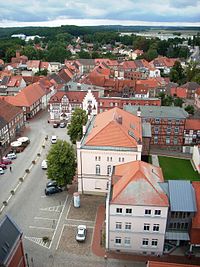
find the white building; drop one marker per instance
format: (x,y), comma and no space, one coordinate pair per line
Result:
(109,139)
(196,157)
(136,209)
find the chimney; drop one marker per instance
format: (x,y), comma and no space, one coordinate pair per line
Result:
(119,119)
(139,112)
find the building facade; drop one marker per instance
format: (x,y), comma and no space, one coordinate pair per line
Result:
(109,139)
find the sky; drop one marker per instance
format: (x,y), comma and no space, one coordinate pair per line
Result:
(103,12)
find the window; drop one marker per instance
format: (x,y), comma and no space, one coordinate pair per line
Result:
(127,226)
(175,140)
(127,241)
(118,226)
(176,130)
(99,158)
(167,140)
(118,210)
(154,242)
(128,211)
(107,158)
(98,170)
(108,169)
(146,227)
(111,159)
(96,158)
(147,212)
(118,240)
(145,241)
(157,212)
(156,129)
(119,159)
(122,159)
(155,139)
(157,120)
(156,227)
(177,121)
(168,130)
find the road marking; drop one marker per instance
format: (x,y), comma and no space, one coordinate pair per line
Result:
(68,209)
(60,236)
(58,221)
(42,228)
(42,218)
(80,220)
(43,196)
(75,225)
(52,209)
(37,240)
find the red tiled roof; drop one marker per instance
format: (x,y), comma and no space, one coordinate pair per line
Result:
(33,64)
(31,79)
(8,111)
(44,65)
(14,81)
(139,185)
(108,131)
(168,264)
(1,62)
(179,92)
(73,96)
(27,97)
(192,124)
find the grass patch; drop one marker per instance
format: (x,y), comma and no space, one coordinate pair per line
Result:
(178,169)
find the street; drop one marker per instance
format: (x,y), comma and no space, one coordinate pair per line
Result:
(41,216)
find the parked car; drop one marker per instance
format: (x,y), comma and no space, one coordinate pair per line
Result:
(11,155)
(44,164)
(1,171)
(81,233)
(56,125)
(52,190)
(63,124)
(3,166)
(53,139)
(51,183)
(6,161)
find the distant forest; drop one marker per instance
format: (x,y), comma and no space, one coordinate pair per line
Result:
(50,32)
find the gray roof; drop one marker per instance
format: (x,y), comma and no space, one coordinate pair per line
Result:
(177,236)
(74,86)
(9,233)
(146,129)
(158,112)
(86,61)
(182,196)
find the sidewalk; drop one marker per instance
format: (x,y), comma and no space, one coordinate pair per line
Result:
(98,250)
(155,160)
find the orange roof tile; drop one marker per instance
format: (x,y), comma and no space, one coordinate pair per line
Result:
(26,97)
(192,124)
(168,264)
(139,185)
(33,64)
(179,92)
(108,131)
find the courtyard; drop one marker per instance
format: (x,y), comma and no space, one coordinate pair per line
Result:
(178,169)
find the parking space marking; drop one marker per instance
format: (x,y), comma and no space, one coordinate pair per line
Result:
(75,220)
(63,206)
(37,240)
(42,228)
(52,209)
(42,218)
(43,196)
(75,225)
(60,236)
(69,209)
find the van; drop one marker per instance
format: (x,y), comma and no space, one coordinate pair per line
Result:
(53,139)
(44,164)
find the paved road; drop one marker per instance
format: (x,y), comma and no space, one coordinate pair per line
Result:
(38,215)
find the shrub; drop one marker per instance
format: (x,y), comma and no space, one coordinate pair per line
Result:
(45,239)
(5,203)
(27,170)
(21,179)
(33,161)
(38,154)
(12,192)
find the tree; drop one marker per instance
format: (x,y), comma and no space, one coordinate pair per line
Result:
(61,162)
(178,102)
(75,131)
(30,52)
(177,73)
(84,54)
(58,53)
(190,109)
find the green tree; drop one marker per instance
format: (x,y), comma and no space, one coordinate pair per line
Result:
(178,102)
(61,162)
(42,73)
(177,73)
(83,54)
(30,52)
(9,54)
(75,128)
(190,109)
(58,53)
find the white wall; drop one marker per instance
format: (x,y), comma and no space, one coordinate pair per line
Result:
(196,157)
(137,233)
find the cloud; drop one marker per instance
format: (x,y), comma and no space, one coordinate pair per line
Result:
(127,10)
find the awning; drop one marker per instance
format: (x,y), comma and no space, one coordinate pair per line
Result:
(177,236)
(23,139)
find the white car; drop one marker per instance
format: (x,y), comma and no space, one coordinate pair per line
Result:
(44,164)
(53,139)
(10,156)
(81,233)
(1,171)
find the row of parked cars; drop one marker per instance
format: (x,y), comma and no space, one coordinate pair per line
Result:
(62,124)
(7,160)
